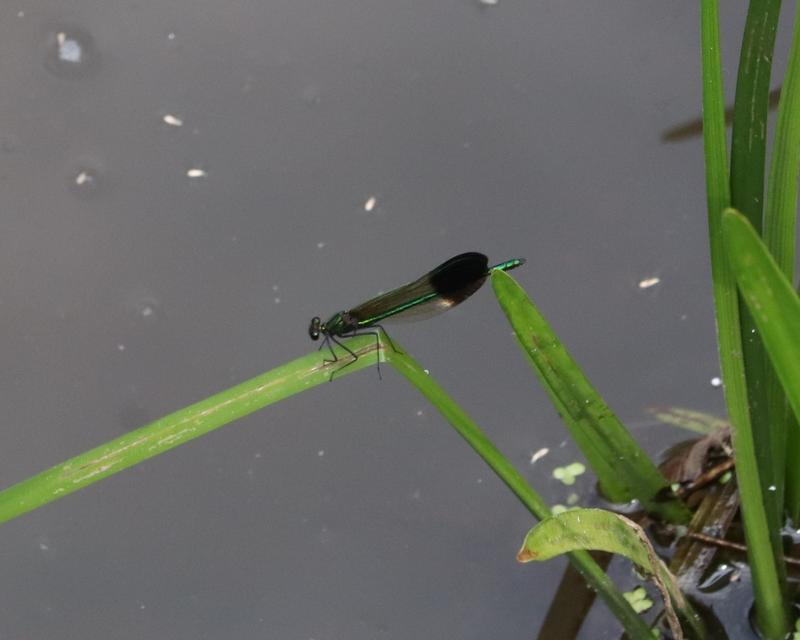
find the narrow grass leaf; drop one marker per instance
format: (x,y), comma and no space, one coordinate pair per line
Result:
(780,236)
(780,219)
(515,481)
(180,427)
(744,250)
(623,469)
(748,157)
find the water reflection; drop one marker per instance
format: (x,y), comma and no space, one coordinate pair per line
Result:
(70,52)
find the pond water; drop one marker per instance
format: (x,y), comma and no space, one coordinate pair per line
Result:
(185,184)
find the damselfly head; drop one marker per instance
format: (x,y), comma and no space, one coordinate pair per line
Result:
(315,328)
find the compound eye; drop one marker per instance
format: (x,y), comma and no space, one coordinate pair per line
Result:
(314,328)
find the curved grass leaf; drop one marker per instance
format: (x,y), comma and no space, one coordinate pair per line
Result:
(623,469)
(771,299)
(599,530)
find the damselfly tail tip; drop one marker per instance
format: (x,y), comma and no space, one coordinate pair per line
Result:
(508,265)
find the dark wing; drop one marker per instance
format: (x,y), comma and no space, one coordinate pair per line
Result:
(447,285)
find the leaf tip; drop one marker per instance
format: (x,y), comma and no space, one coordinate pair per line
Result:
(526,555)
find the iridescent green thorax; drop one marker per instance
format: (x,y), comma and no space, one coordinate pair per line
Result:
(339,324)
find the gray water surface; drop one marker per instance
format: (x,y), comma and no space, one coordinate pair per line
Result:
(184,184)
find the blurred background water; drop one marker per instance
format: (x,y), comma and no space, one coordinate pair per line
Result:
(184,184)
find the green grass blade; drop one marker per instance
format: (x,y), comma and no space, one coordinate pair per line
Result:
(623,469)
(178,428)
(793,437)
(480,443)
(766,573)
(716,155)
(748,157)
(469,431)
(694,128)
(229,405)
(749,135)
(792,468)
(769,295)
(780,233)
(600,530)
(718,198)
(780,221)
(760,280)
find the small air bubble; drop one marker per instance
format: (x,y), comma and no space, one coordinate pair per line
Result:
(120,347)
(320,245)
(173,121)
(321,452)
(70,53)
(69,49)
(170,36)
(369,205)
